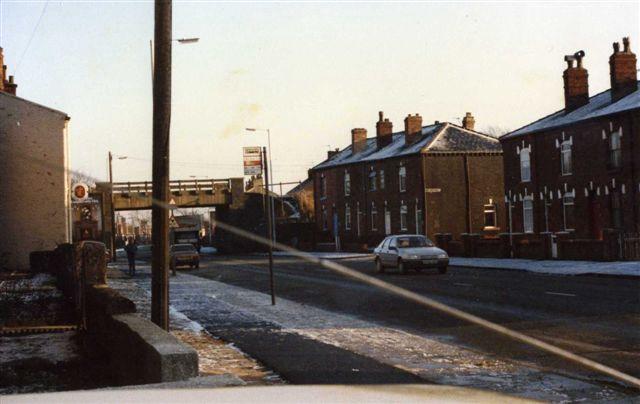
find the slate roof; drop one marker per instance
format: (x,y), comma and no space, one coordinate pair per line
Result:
(599,105)
(15,97)
(441,137)
(299,187)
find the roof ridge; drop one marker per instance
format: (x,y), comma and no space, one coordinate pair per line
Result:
(445,125)
(35,104)
(475,132)
(610,103)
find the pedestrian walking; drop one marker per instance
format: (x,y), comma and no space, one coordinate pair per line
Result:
(131,248)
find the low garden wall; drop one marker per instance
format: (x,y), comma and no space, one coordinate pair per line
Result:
(532,246)
(132,349)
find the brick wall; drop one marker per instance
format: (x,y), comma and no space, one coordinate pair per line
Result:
(463,180)
(592,179)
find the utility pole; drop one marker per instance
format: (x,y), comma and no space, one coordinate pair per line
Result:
(113,212)
(161,129)
(269,226)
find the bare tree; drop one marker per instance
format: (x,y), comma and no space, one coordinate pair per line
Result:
(77,176)
(495,130)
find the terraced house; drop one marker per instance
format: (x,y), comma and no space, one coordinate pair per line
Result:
(426,179)
(576,172)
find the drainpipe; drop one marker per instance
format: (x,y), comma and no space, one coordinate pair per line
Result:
(467,183)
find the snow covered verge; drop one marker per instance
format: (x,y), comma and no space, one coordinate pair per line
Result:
(620,268)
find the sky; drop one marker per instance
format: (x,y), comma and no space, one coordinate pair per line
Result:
(310,72)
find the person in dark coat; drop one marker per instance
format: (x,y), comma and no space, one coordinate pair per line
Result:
(131,248)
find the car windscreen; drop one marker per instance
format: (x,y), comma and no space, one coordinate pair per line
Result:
(413,241)
(183,247)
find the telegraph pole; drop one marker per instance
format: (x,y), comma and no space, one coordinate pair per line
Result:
(269,225)
(113,212)
(161,127)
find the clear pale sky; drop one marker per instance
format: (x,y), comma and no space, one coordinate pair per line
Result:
(309,72)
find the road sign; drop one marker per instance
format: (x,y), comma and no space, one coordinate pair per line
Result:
(252,160)
(173,223)
(80,192)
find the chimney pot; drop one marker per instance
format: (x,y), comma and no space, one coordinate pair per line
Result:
(358,140)
(468,122)
(384,131)
(623,73)
(576,82)
(412,128)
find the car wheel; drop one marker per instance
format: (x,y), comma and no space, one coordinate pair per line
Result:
(401,267)
(379,266)
(442,270)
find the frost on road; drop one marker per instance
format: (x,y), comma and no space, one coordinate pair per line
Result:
(435,358)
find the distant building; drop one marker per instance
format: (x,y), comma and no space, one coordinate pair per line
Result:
(577,171)
(301,196)
(35,209)
(426,179)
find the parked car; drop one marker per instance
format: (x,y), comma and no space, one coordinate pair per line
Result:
(183,254)
(144,252)
(411,251)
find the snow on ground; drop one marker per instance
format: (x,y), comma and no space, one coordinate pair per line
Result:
(627,268)
(325,255)
(436,358)
(208,250)
(51,347)
(556,267)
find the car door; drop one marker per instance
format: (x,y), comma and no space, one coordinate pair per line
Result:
(391,256)
(382,250)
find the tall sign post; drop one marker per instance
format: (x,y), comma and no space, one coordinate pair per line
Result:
(269,225)
(113,210)
(161,130)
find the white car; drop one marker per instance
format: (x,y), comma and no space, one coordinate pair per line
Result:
(409,251)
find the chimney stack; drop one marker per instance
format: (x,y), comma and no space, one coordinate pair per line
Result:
(576,82)
(622,65)
(358,140)
(7,86)
(384,131)
(332,153)
(412,128)
(468,122)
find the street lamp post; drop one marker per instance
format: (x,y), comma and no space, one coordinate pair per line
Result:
(181,41)
(273,215)
(113,211)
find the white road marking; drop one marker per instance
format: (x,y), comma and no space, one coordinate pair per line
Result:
(462,284)
(560,294)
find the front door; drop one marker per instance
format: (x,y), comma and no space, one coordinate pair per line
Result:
(387,222)
(595,214)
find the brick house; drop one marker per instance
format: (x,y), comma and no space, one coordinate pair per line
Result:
(35,203)
(576,172)
(425,180)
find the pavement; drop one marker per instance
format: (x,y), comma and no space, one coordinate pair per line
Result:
(553,267)
(326,329)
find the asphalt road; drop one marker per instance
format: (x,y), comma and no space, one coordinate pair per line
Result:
(593,316)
